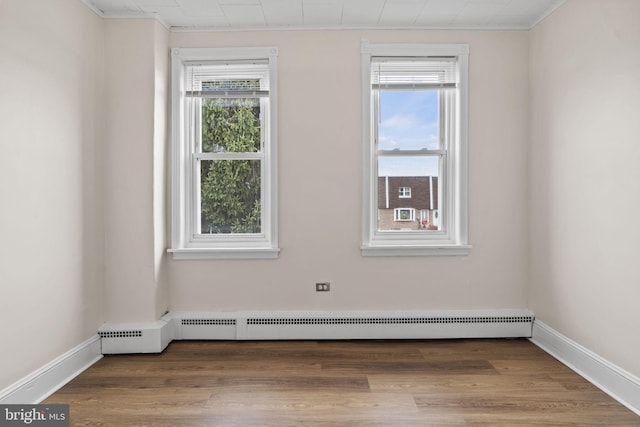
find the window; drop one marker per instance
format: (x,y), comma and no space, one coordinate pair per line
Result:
(404,192)
(224,153)
(404,214)
(415,103)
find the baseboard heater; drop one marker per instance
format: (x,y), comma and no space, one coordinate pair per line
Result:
(311,325)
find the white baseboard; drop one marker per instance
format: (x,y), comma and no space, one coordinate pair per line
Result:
(616,382)
(40,384)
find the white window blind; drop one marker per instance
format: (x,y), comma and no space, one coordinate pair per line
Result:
(229,79)
(414,73)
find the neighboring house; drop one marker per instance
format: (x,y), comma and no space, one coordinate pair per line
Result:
(408,203)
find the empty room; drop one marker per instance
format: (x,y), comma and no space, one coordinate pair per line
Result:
(320,212)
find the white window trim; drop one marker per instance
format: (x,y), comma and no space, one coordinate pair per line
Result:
(184,244)
(404,192)
(455,240)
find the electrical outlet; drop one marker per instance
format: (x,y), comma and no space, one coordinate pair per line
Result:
(323,287)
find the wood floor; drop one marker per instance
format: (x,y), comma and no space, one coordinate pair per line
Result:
(339,383)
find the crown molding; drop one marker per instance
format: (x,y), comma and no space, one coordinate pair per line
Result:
(153,16)
(341,28)
(93,8)
(140,15)
(547,13)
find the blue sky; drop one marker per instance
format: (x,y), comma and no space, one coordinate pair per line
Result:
(408,121)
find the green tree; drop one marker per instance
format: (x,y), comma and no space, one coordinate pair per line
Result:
(230,189)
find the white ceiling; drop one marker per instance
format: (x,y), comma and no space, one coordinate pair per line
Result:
(301,14)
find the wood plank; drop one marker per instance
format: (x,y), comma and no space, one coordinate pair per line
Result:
(449,367)
(439,383)
(270,381)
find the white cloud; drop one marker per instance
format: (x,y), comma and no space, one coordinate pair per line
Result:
(386,141)
(399,121)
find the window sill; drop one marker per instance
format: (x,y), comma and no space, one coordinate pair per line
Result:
(408,250)
(226,253)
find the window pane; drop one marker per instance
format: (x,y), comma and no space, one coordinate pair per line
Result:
(408,166)
(419,212)
(408,120)
(230,196)
(230,125)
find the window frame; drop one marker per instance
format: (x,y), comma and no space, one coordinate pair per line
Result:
(453,172)
(186,242)
(404,192)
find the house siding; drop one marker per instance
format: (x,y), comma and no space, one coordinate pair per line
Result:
(420,200)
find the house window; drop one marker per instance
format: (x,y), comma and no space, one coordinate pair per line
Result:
(404,214)
(415,102)
(224,153)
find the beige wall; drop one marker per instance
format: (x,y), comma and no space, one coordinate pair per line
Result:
(320,186)
(83,148)
(585,176)
(134,197)
(160,167)
(51,221)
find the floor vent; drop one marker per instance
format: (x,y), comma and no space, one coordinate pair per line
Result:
(208,322)
(120,334)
